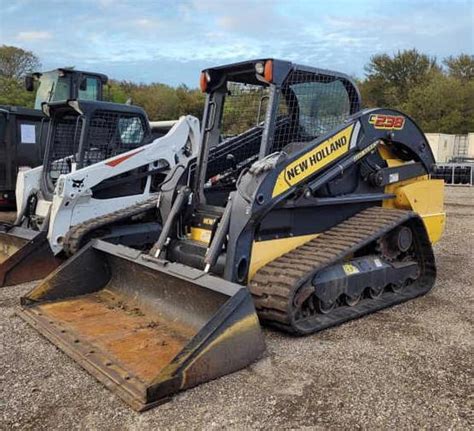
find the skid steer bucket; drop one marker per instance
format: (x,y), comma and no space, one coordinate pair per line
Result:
(145,328)
(25,255)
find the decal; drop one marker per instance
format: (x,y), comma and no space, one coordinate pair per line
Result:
(118,160)
(313,161)
(350,269)
(378,263)
(78,183)
(387,122)
(365,151)
(393,178)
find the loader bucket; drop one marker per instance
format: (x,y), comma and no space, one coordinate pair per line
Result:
(145,328)
(25,255)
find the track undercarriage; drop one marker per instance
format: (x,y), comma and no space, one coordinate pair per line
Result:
(376,259)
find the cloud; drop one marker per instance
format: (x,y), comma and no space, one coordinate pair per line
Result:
(33,36)
(160,40)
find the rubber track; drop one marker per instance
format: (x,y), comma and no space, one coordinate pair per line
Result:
(276,285)
(74,237)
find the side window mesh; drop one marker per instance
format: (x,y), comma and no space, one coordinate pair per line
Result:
(108,134)
(310,105)
(313,105)
(242,126)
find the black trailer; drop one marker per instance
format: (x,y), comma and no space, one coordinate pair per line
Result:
(21,147)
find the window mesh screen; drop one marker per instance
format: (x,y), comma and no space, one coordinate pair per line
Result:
(313,105)
(310,105)
(242,125)
(109,134)
(64,145)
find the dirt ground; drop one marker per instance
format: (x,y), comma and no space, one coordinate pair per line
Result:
(406,367)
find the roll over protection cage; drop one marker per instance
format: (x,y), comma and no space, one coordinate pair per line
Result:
(85,132)
(283,75)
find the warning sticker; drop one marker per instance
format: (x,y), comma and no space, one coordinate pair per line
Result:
(378,263)
(350,269)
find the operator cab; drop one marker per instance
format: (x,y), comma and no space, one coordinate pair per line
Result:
(84,132)
(65,84)
(259,107)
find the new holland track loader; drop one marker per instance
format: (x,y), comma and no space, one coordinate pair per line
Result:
(301,209)
(102,169)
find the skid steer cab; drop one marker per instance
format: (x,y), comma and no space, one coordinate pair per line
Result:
(300,208)
(65,84)
(102,165)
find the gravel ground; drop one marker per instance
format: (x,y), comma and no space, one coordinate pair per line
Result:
(406,367)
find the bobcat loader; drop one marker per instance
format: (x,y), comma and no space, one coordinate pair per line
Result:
(300,208)
(101,167)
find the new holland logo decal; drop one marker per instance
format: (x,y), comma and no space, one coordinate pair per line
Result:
(313,160)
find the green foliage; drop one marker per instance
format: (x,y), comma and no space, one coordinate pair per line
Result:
(391,78)
(461,67)
(439,100)
(12,92)
(15,63)
(444,104)
(160,101)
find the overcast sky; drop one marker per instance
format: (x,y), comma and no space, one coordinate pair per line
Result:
(171,41)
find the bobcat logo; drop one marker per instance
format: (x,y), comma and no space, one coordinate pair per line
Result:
(78,183)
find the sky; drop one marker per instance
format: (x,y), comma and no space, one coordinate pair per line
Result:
(171,41)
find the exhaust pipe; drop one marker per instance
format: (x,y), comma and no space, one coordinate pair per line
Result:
(144,327)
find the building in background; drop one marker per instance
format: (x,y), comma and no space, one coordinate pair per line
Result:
(454,155)
(451,148)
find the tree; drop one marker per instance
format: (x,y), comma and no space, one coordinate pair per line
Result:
(390,78)
(461,67)
(160,101)
(15,62)
(445,105)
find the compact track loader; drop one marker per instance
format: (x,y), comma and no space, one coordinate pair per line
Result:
(102,170)
(299,203)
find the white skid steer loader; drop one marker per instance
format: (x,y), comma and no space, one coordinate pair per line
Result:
(102,171)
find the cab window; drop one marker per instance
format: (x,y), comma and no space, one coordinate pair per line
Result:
(131,130)
(92,89)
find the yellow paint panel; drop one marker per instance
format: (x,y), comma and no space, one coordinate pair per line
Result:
(201,235)
(313,160)
(389,157)
(435,225)
(264,252)
(425,197)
